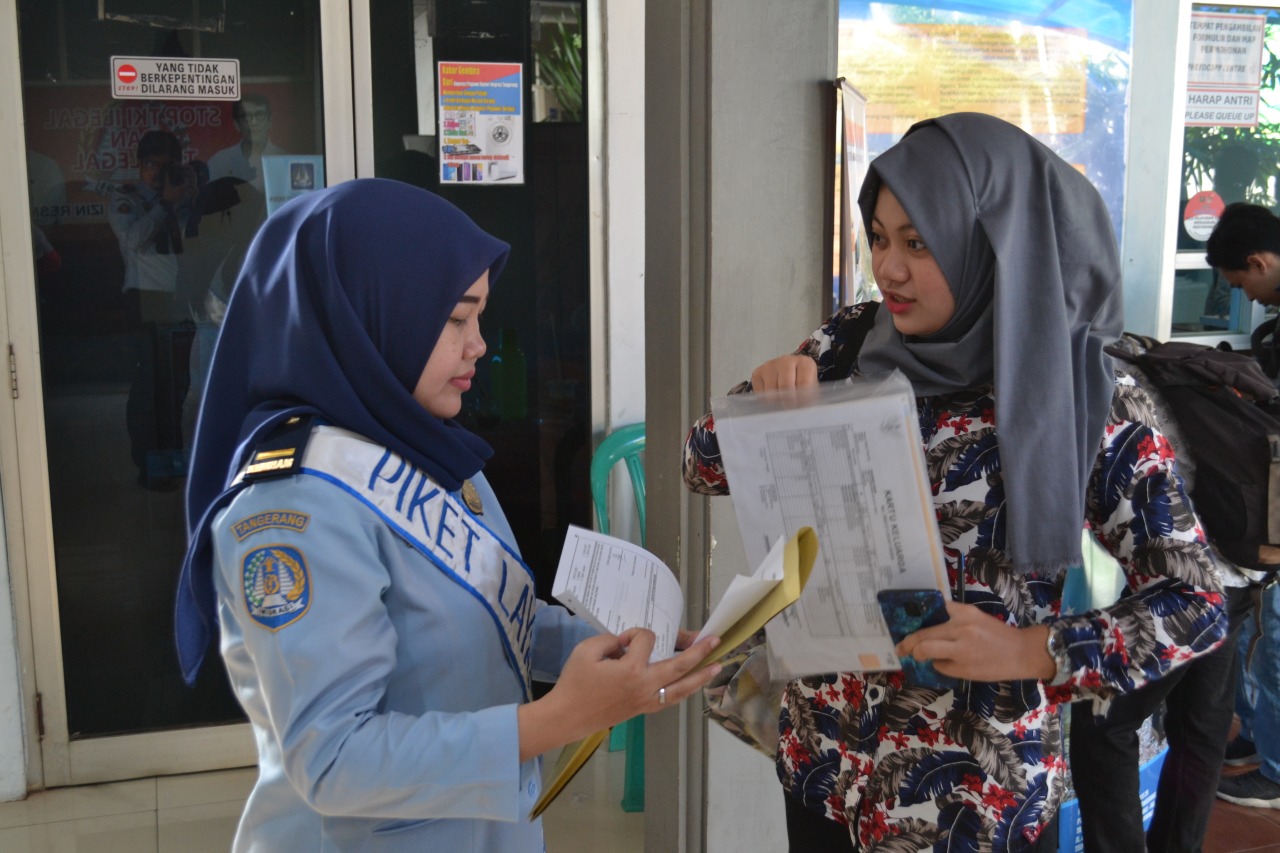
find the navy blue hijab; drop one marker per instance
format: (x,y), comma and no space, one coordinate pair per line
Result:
(338,306)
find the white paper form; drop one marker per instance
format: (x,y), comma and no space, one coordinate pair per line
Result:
(616,585)
(845,459)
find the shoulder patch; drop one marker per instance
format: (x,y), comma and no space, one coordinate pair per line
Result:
(277,585)
(283,518)
(280,453)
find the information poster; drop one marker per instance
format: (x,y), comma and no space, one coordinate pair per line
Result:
(1033,77)
(1065,81)
(481,133)
(1224,70)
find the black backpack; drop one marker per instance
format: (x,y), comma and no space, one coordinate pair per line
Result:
(1228,416)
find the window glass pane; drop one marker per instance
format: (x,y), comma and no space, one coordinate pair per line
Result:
(1060,71)
(130,283)
(1203,301)
(531,397)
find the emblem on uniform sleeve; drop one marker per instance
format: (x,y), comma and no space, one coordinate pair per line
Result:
(277,585)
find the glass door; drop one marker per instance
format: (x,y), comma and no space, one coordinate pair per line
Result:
(483,103)
(159,134)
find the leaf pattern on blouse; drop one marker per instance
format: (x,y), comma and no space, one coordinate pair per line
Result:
(1198,627)
(993,570)
(956,517)
(963,459)
(1176,558)
(909,836)
(863,749)
(905,704)
(989,747)
(1022,821)
(918,775)
(804,727)
(1134,622)
(1002,701)
(1134,404)
(967,830)
(850,724)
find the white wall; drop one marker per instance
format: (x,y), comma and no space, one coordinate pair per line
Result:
(15,262)
(768,271)
(738,272)
(624,206)
(13,779)
(744,797)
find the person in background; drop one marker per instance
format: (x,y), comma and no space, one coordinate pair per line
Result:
(1197,699)
(377,621)
(987,246)
(252,117)
(147,218)
(225,216)
(1245,249)
(1235,173)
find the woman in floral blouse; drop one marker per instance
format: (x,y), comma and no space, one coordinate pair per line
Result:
(1001,284)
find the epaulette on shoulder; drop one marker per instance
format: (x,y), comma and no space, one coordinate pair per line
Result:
(280,453)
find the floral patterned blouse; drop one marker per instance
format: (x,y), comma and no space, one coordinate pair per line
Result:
(982,767)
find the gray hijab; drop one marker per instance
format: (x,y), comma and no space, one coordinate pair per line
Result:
(1027,247)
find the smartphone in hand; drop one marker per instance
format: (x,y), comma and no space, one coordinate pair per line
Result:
(907,611)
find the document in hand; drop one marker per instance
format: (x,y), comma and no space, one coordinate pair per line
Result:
(616,585)
(847,460)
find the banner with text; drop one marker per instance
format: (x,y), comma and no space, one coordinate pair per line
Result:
(168,79)
(480,111)
(1224,70)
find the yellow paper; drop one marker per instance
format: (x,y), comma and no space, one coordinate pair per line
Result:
(797,562)
(567,766)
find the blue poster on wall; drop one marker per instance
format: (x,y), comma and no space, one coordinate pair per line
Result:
(1058,69)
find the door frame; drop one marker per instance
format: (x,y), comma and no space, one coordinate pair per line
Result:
(52,758)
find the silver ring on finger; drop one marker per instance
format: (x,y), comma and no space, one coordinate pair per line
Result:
(662,695)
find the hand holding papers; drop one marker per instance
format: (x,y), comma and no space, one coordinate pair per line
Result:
(751,602)
(617,585)
(845,459)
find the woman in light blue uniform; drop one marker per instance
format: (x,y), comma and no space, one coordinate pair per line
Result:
(376,620)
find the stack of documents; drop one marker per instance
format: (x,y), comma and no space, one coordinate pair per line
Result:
(617,585)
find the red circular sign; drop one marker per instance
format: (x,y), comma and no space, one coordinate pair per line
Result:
(1202,212)
(127,74)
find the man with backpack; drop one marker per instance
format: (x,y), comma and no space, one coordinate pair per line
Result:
(1221,413)
(1245,248)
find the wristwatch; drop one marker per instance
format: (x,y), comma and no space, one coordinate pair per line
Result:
(1057,648)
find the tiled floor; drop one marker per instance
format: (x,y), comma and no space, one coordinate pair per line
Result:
(198,814)
(1235,829)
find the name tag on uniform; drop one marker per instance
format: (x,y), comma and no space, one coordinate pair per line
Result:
(439,526)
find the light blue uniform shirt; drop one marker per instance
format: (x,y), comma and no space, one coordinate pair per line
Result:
(385,715)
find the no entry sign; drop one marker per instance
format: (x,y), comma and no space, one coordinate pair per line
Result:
(175,79)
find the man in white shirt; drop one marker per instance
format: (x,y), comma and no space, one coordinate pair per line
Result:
(252,117)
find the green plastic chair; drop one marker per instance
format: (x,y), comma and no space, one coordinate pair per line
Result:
(623,445)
